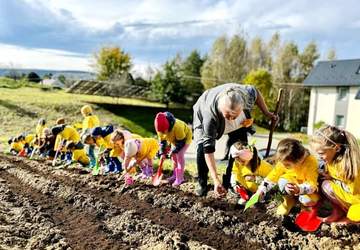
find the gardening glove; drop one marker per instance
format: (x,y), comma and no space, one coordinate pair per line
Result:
(163,149)
(262,189)
(178,146)
(128,180)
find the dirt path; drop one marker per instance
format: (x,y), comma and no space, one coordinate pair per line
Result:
(87,212)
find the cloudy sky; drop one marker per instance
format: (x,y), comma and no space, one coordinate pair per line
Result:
(63,34)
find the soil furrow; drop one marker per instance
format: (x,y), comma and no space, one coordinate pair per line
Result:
(206,234)
(80,229)
(147,215)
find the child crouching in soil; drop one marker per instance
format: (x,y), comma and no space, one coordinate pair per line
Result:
(247,166)
(296,173)
(141,152)
(101,137)
(78,153)
(118,139)
(340,151)
(15,145)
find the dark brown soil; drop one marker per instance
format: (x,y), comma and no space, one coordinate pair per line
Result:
(89,212)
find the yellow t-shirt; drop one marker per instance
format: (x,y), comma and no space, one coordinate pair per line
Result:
(306,172)
(352,186)
(17,146)
(89,122)
(179,132)
(79,155)
(104,142)
(39,130)
(148,148)
(70,134)
(262,170)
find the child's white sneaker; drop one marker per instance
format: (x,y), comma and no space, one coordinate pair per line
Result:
(241,201)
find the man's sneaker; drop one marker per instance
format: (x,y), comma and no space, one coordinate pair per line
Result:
(201,191)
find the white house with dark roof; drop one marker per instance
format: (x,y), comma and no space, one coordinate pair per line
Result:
(335,95)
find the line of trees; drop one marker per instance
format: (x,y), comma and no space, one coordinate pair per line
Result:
(268,65)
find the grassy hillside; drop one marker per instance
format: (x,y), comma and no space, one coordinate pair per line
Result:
(21,108)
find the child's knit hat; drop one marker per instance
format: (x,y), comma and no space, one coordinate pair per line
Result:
(161,123)
(131,147)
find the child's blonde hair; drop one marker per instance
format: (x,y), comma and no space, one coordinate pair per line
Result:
(348,152)
(117,135)
(291,150)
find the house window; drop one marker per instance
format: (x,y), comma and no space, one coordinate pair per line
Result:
(342,93)
(340,121)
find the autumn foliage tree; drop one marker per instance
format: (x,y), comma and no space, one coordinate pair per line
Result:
(112,63)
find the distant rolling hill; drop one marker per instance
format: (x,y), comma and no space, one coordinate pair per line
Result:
(69,74)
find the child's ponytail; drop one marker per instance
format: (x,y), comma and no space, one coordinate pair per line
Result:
(255,161)
(350,162)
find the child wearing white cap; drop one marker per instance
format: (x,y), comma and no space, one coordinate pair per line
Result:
(141,152)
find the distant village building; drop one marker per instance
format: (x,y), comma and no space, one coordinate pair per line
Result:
(55,83)
(335,95)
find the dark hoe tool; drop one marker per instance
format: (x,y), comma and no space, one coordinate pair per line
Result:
(273,122)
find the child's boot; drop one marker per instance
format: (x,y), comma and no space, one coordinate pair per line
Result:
(179,177)
(241,201)
(173,177)
(149,171)
(285,207)
(92,163)
(117,165)
(143,172)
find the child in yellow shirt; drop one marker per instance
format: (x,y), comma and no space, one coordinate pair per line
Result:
(15,145)
(100,136)
(27,142)
(118,139)
(179,135)
(78,153)
(90,121)
(247,166)
(295,173)
(141,152)
(340,152)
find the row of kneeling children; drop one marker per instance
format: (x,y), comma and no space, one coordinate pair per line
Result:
(332,174)
(117,149)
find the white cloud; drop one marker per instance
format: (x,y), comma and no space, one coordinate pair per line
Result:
(155,30)
(42,58)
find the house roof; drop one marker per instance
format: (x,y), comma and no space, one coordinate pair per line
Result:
(335,73)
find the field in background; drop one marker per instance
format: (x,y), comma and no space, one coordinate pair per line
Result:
(21,108)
